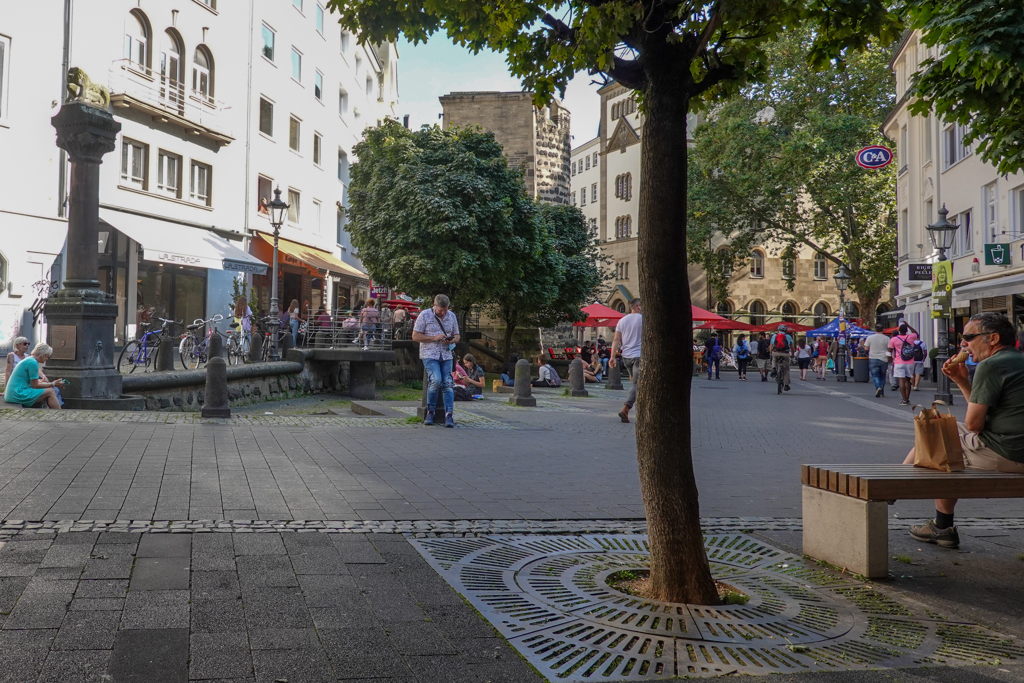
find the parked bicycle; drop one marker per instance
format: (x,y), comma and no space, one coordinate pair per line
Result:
(143,352)
(237,344)
(195,345)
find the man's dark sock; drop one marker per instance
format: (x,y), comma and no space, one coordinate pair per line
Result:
(942,520)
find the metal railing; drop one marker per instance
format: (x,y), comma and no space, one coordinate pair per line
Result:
(345,329)
(143,84)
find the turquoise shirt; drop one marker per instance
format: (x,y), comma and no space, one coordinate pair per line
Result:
(19,387)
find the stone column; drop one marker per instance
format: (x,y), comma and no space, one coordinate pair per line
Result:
(576,379)
(614,380)
(522,392)
(80,317)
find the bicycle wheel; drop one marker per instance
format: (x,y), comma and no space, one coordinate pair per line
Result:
(126,361)
(187,351)
(234,351)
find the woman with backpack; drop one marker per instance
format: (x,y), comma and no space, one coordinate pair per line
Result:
(713,355)
(741,352)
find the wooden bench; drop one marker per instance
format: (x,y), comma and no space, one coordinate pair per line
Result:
(845,507)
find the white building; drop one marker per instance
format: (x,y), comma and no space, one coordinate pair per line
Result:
(219,102)
(585,179)
(936,169)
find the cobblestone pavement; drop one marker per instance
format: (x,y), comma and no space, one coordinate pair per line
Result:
(566,459)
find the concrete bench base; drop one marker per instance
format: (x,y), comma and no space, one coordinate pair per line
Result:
(848,532)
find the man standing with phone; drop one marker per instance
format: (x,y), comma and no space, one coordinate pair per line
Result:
(437,331)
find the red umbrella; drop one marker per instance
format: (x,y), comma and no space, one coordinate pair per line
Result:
(701,315)
(726,325)
(599,315)
(791,327)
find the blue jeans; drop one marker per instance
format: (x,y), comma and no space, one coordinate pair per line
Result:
(294,324)
(714,363)
(604,364)
(877,369)
(509,382)
(439,373)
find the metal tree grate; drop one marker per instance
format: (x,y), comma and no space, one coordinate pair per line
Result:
(550,597)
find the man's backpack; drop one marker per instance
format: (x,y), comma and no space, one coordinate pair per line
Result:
(780,343)
(918,352)
(906,350)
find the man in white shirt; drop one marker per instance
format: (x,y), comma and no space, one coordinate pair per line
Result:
(878,358)
(627,340)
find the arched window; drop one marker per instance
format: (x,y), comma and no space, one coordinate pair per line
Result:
(821,313)
(820,266)
(852,310)
(136,38)
(172,88)
(757,263)
(789,311)
(724,307)
(882,308)
(757,312)
(620,307)
(629,226)
(202,74)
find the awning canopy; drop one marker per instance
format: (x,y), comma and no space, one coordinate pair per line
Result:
(702,315)
(168,242)
(1003,286)
(599,315)
(303,255)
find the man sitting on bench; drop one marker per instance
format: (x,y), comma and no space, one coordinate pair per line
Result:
(992,434)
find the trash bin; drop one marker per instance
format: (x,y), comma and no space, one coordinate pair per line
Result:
(861,373)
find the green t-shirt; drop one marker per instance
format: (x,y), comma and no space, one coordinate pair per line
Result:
(999,384)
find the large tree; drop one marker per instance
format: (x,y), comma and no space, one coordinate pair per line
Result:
(978,79)
(564,276)
(774,165)
(439,211)
(674,54)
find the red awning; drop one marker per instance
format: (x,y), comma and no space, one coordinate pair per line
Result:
(726,325)
(599,315)
(701,315)
(790,327)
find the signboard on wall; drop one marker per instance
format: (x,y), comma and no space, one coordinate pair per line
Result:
(920,272)
(997,255)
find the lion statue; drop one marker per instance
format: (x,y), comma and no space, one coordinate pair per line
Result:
(82,89)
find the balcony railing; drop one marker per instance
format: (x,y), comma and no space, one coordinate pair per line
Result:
(134,86)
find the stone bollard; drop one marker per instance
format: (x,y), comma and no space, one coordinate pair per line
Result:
(577,381)
(614,377)
(216,393)
(216,346)
(421,412)
(522,392)
(255,347)
(165,354)
(286,342)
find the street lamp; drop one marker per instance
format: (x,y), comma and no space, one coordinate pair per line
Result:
(277,210)
(942,233)
(842,282)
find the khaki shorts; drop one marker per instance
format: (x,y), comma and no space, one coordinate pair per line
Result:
(977,454)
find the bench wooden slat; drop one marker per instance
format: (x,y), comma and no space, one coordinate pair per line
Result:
(905,482)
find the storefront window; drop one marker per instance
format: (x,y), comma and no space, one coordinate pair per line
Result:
(170,292)
(113,275)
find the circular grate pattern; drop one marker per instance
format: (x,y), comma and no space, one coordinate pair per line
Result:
(549,596)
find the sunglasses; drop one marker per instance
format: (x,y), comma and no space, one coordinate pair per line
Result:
(972,337)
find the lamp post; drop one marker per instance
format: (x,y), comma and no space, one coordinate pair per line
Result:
(277,210)
(842,282)
(942,233)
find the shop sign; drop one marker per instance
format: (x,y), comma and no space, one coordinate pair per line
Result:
(378,291)
(181,259)
(942,288)
(920,272)
(997,254)
(257,268)
(874,157)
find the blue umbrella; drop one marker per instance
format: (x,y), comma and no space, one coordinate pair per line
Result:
(832,330)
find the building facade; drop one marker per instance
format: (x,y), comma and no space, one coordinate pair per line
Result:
(937,169)
(219,103)
(536,139)
(758,291)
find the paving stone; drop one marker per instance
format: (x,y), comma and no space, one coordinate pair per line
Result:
(215,585)
(22,654)
(11,588)
(89,666)
(213,552)
(307,666)
(66,556)
(417,638)
(97,604)
(150,656)
(87,631)
(316,560)
(219,655)
(266,570)
(210,616)
(156,610)
(331,590)
(160,573)
(42,605)
(274,607)
(102,588)
(108,568)
(457,623)
(117,539)
(356,551)
(283,638)
(259,544)
(152,545)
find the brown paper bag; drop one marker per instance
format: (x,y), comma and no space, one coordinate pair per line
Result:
(936,440)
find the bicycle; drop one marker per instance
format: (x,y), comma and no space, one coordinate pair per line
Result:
(143,351)
(193,347)
(777,371)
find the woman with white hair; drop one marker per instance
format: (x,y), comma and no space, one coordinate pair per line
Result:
(25,386)
(19,354)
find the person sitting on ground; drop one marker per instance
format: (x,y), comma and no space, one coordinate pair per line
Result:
(992,434)
(547,375)
(19,354)
(508,376)
(26,387)
(474,380)
(586,353)
(592,372)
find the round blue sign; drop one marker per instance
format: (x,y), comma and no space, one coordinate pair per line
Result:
(874,157)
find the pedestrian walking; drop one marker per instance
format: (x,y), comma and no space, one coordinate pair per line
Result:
(920,356)
(833,355)
(741,352)
(369,319)
(820,358)
(902,347)
(878,358)
(713,356)
(804,353)
(294,318)
(627,341)
(764,356)
(437,331)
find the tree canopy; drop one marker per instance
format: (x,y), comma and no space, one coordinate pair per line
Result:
(439,211)
(978,79)
(774,165)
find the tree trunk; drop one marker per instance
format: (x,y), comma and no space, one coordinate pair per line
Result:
(868,303)
(679,564)
(509,329)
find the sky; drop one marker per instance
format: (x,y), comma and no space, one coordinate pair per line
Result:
(438,67)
